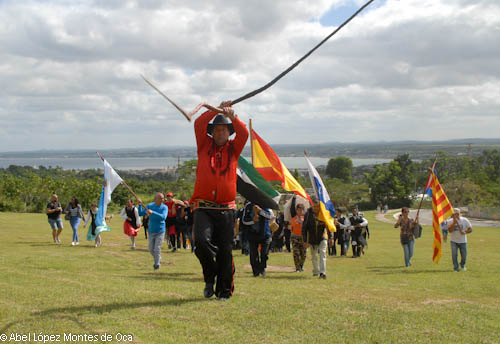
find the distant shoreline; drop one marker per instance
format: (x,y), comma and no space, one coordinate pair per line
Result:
(156,164)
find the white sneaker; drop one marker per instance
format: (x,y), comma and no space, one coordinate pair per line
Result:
(77,243)
(72,243)
(464,269)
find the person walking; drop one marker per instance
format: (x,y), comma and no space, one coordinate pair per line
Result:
(406,234)
(145,224)
(92,228)
(74,214)
(316,234)
(458,227)
(342,224)
(54,210)
(171,220)
(132,223)
(214,197)
(358,227)
(259,236)
(297,238)
(157,212)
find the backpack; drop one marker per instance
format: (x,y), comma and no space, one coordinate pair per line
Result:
(417,231)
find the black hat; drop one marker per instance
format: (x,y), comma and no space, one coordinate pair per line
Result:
(220,120)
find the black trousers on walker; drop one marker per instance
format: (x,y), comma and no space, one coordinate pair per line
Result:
(213,234)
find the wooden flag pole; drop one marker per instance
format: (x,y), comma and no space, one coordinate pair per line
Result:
(423,193)
(251,140)
(125,184)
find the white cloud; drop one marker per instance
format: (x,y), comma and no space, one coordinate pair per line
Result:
(413,69)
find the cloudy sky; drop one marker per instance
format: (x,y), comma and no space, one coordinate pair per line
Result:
(404,69)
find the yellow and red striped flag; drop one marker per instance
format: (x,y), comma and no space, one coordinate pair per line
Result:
(269,165)
(441,210)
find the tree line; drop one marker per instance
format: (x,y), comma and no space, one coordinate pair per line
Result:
(466,180)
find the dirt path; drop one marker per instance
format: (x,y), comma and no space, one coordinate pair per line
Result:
(426,218)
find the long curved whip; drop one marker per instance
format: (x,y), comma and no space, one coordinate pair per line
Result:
(190,114)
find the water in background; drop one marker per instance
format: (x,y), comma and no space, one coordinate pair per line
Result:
(154,163)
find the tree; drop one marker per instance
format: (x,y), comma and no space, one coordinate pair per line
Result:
(392,183)
(340,168)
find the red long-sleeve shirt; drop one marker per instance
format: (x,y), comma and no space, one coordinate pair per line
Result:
(216,171)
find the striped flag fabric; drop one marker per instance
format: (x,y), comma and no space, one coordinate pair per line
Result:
(327,210)
(269,165)
(254,187)
(441,210)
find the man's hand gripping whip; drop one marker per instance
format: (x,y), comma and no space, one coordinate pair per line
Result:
(190,114)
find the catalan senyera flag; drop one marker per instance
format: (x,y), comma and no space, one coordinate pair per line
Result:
(441,210)
(327,210)
(269,165)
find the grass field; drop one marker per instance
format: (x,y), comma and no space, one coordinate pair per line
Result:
(57,289)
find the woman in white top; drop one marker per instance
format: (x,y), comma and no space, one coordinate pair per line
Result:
(74,214)
(132,223)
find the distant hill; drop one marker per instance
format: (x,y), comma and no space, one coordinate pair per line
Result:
(416,149)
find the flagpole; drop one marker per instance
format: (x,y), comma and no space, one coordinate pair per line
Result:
(123,182)
(423,193)
(251,139)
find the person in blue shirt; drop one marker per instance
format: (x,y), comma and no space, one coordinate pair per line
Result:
(259,233)
(157,212)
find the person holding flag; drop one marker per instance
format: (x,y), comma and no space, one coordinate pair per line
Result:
(110,182)
(406,234)
(214,197)
(316,233)
(91,216)
(318,221)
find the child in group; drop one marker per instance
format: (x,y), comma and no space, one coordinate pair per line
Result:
(91,234)
(132,223)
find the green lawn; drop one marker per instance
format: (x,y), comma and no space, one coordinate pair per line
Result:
(57,289)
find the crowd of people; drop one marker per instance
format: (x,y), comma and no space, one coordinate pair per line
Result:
(211,224)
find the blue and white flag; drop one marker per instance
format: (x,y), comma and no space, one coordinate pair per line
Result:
(111,181)
(327,211)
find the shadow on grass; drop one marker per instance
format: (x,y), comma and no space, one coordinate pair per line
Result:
(75,311)
(271,276)
(181,276)
(394,270)
(99,309)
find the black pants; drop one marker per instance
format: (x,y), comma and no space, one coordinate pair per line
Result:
(342,247)
(288,234)
(259,262)
(332,248)
(213,232)
(244,240)
(181,236)
(172,240)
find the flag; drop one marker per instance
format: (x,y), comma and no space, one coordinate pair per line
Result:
(254,187)
(269,165)
(327,210)
(441,210)
(110,182)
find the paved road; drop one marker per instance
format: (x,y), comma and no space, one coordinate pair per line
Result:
(426,218)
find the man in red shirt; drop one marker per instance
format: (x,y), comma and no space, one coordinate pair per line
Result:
(170,220)
(214,197)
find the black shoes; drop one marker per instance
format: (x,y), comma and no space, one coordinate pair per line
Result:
(322,276)
(208,292)
(156,267)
